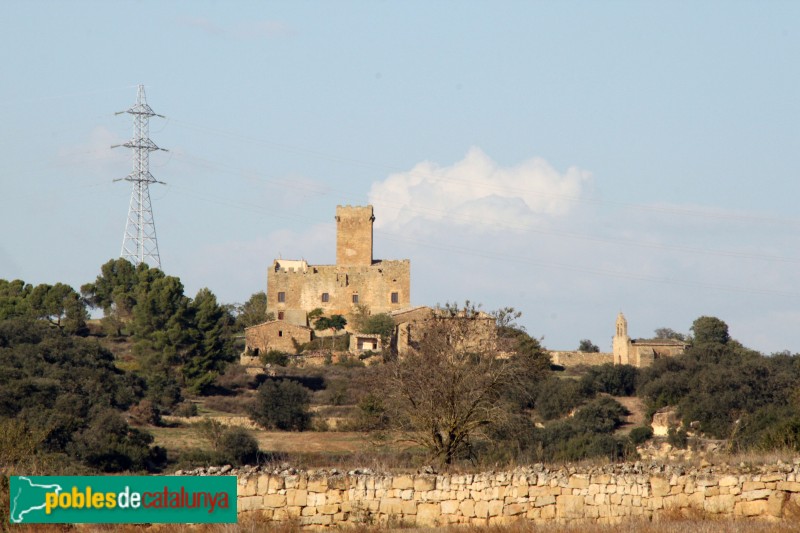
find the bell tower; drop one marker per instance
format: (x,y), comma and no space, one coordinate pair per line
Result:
(621,343)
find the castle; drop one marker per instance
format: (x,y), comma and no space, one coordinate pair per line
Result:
(295,288)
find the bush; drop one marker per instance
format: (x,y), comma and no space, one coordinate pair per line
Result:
(275,357)
(238,446)
(557,397)
(602,415)
(186,409)
(678,438)
(282,405)
(640,435)
(616,380)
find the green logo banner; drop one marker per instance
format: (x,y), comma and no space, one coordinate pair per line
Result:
(122,499)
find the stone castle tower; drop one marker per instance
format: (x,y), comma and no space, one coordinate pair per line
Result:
(354,235)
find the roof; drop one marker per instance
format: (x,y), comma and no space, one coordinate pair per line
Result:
(660,342)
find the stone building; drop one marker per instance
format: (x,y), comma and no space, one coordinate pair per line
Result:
(477,332)
(294,288)
(642,352)
(625,351)
(275,335)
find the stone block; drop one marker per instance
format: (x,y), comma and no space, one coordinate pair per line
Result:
(308,511)
(514,509)
(761,494)
(297,497)
(578,482)
(659,486)
(467,508)
(408,507)
(449,506)
(249,503)
(247,486)
(495,507)
(722,504)
(263,484)
(391,506)
(771,478)
(789,486)
(428,514)
(319,484)
(541,501)
(275,500)
(276,483)
(482,509)
(752,508)
(747,486)
(728,481)
(422,483)
(403,482)
(330,508)
(333,496)
(315,498)
(775,503)
(569,506)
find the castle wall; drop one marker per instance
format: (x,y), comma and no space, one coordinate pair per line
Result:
(304,289)
(609,494)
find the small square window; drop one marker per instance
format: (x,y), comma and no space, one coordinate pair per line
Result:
(281,297)
(395,298)
(355,298)
(325,297)
(280,315)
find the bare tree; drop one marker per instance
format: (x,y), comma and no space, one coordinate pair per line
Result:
(448,391)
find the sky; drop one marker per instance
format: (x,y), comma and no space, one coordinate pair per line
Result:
(572,160)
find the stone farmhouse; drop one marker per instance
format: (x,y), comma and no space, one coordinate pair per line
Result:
(625,351)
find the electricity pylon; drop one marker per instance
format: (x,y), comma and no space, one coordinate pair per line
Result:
(139,244)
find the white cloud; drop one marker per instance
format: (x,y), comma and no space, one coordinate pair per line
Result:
(476,192)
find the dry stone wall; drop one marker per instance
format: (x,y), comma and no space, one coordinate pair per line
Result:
(599,495)
(571,359)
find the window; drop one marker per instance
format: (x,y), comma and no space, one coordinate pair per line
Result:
(281,297)
(325,297)
(355,298)
(395,298)
(280,333)
(280,315)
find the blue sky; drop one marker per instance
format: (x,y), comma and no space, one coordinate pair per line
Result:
(569,159)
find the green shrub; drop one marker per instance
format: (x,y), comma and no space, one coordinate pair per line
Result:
(275,357)
(617,380)
(557,397)
(678,438)
(186,409)
(641,434)
(282,405)
(238,446)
